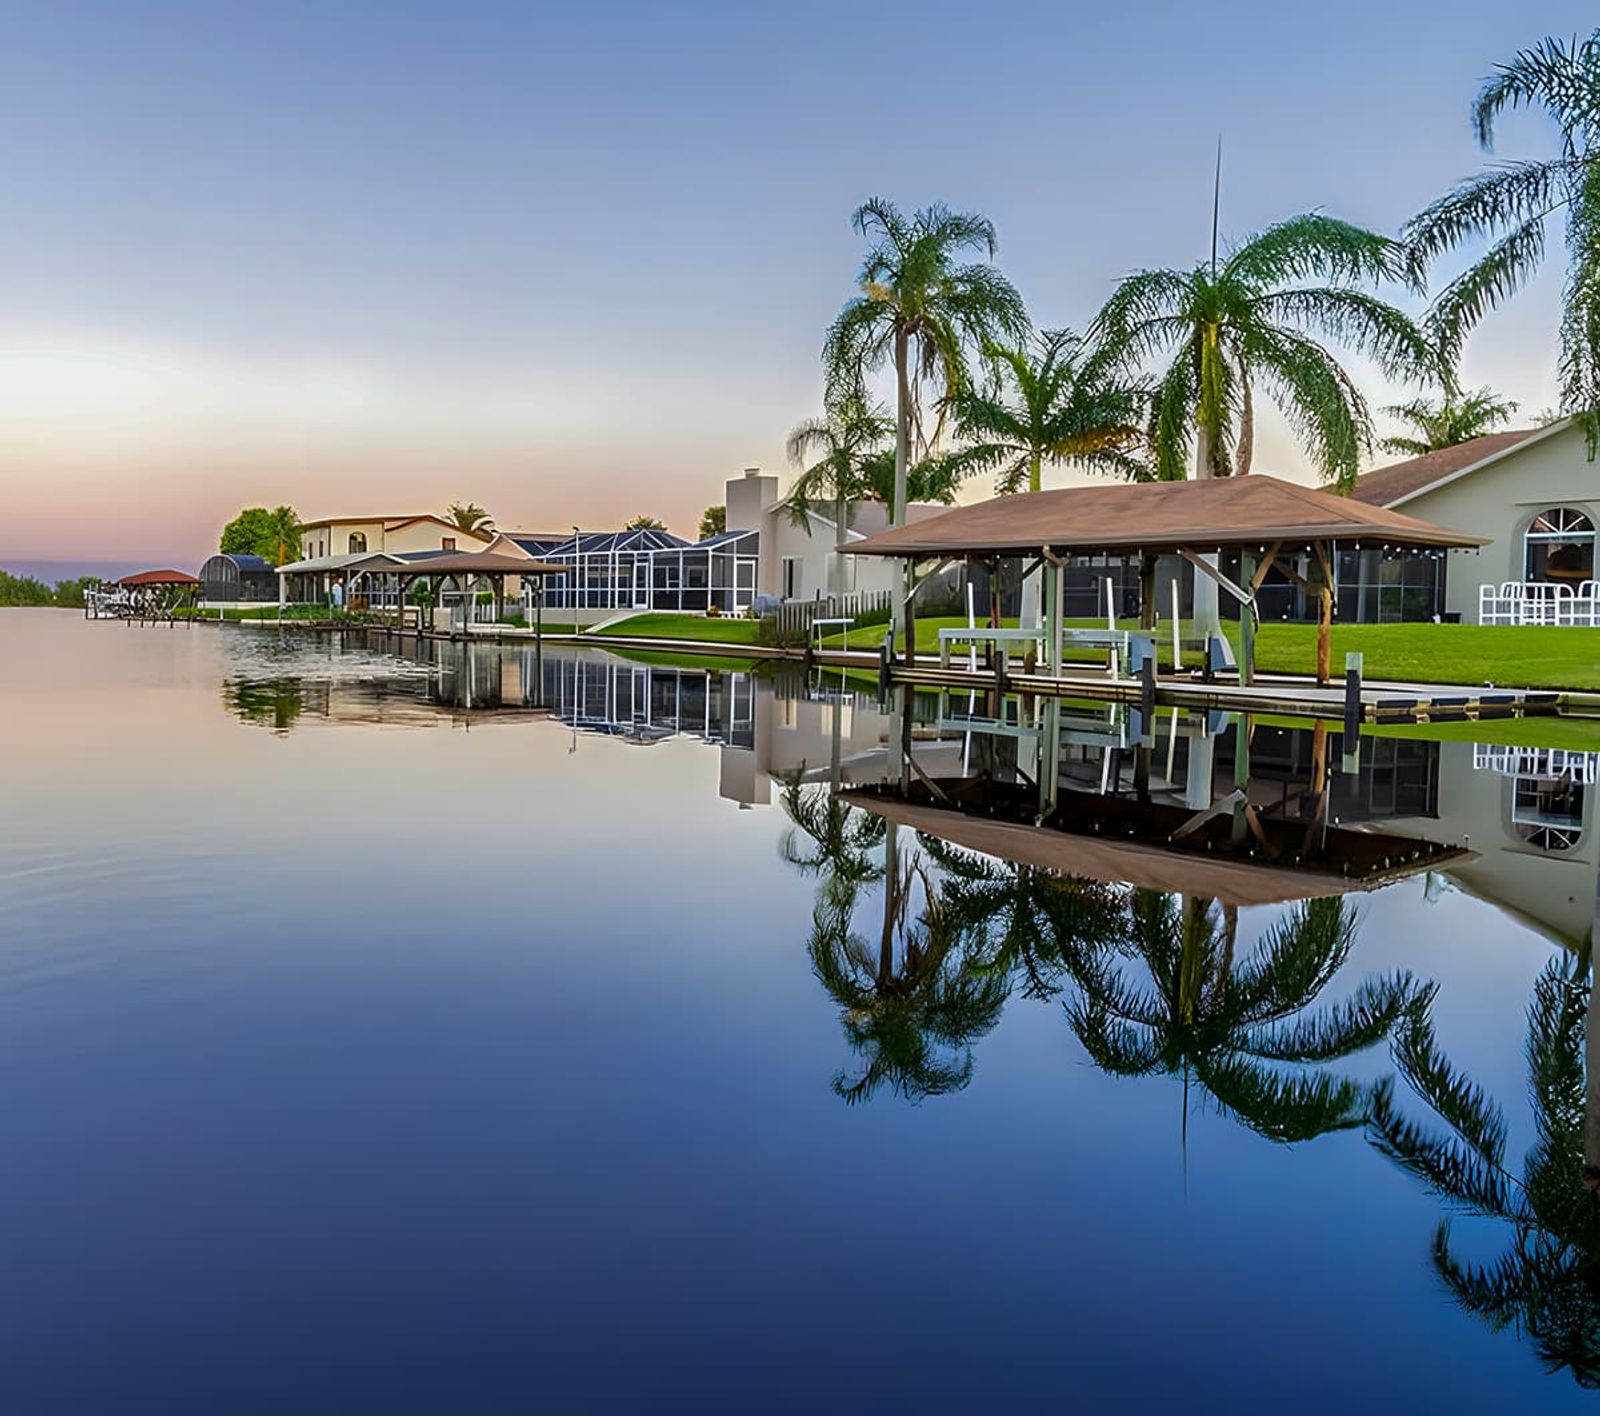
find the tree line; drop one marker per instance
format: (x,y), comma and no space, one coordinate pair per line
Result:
(22,591)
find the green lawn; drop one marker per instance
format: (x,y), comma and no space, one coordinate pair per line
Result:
(1505,655)
(723,630)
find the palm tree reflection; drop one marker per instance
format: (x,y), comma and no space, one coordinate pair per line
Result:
(913,1004)
(1021,921)
(1546,1282)
(1249,1033)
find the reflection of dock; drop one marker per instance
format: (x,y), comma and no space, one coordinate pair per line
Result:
(1120,841)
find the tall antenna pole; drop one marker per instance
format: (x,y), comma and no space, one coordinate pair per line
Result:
(1216,205)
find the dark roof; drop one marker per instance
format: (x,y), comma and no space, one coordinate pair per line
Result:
(1384,486)
(247,564)
(158,577)
(1207,515)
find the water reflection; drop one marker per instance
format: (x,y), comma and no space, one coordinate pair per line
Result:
(1171,998)
(1545,1282)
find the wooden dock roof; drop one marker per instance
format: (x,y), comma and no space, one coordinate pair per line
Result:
(1209,515)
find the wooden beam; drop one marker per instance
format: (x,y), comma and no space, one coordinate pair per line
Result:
(1266,565)
(1243,596)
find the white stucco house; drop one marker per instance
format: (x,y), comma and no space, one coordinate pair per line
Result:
(1535,492)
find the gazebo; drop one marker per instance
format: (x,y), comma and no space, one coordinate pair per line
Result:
(154,594)
(1264,519)
(466,569)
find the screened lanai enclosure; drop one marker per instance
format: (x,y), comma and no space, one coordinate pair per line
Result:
(236,577)
(647,570)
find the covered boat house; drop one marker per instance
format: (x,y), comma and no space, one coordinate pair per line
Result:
(1255,524)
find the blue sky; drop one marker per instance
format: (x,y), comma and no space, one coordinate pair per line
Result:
(575,262)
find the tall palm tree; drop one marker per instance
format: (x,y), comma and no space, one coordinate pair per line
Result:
(1511,204)
(1456,418)
(1052,401)
(930,480)
(1242,1031)
(469,516)
(919,310)
(1256,318)
(850,431)
(1546,1283)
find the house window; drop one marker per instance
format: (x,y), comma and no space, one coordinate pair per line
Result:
(358,542)
(1559,546)
(448,542)
(791,577)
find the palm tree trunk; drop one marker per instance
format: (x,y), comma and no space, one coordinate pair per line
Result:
(902,458)
(1032,586)
(841,513)
(1247,426)
(1207,618)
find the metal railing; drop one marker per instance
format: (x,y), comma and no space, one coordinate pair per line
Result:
(1540,602)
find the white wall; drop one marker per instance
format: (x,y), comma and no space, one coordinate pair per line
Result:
(1499,501)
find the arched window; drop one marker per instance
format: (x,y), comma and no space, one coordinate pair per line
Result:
(1559,546)
(358,542)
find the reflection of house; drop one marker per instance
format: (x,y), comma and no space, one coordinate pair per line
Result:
(1535,492)
(1531,817)
(355,535)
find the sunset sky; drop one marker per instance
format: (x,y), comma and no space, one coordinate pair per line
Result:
(574,262)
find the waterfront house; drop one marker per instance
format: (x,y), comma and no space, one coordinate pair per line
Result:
(364,535)
(1533,492)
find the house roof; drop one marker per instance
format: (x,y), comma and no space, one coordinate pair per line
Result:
(339,562)
(250,565)
(539,543)
(394,523)
(158,577)
(1207,515)
(480,563)
(1384,486)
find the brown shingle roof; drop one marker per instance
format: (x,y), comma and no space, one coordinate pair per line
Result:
(1207,515)
(1384,486)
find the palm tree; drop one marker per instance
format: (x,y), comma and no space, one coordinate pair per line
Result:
(1021,919)
(1052,401)
(1511,203)
(919,310)
(1256,318)
(1545,1282)
(469,516)
(841,442)
(1456,418)
(930,480)
(1242,1031)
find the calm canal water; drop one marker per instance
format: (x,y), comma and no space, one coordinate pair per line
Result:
(364,1051)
